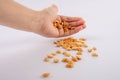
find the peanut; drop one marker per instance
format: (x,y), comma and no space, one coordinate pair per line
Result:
(45,75)
(94,54)
(79,53)
(74,59)
(66,54)
(55,60)
(50,56)
(46,59)
(58,52)
(65,60)
(89,50)
(78,57)
(94,48)
(68,65)
(83,39)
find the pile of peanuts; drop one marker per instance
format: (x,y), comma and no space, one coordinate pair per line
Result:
(75,44)
(70,44)
(62,25)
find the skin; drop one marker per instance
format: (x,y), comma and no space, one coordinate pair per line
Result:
(16,16)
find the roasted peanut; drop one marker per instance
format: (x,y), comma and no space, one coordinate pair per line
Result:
(94,48)
(78,57)
(50,56)
(89,50)
(53,54)
(74,59)
(79,53)
(69,65)
(46,59)
(65,60)
(66,54)
(70,62)
(83,39)
(58,52)
(55,60)
(45,75)
(94,54)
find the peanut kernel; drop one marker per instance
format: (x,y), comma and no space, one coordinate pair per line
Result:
(70,62)
(66,54)
(89,50)
(53,54)
(50,56)
(74,59)
(55,60)
(69,65)
(78,57)
(79,53)
(83,39)
(58,52)
(45,75)
(94,48)
(46,59)
(94,54)
(65,60)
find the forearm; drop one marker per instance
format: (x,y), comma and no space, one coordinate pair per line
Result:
(15,15)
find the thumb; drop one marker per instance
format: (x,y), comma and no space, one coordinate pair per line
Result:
(52,11)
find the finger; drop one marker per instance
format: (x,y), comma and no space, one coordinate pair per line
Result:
(70,19)
(61,32)
(58,19)
(75,23)
(77,29)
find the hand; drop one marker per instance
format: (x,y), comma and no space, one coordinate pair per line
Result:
(43,23)
(77,22)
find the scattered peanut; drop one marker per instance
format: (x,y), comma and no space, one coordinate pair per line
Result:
(65,60)
(79,53)
(83,39)
(74,59)
(66,54)
(85,45)
(94,48)
(46,59)
(45,75)
(89,50)
(50,56)
(78,57)
(55,60)
(68,44)
(70,62)
(68,65)
(53,54)
(94,54)
(58,52)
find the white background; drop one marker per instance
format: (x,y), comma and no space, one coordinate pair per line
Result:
(21,53)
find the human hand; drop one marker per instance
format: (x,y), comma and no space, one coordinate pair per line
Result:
(43,23)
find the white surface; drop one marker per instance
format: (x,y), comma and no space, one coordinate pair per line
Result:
(21,53)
